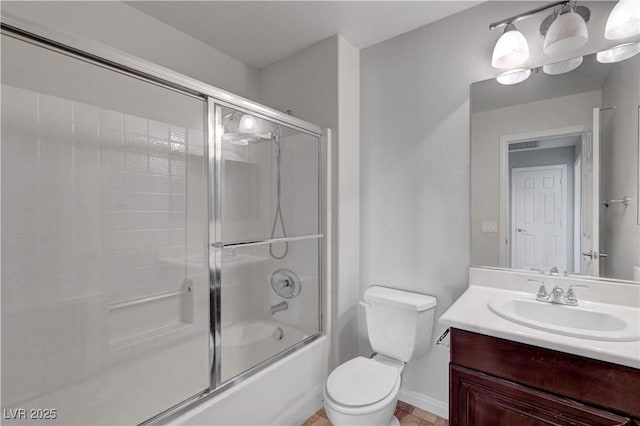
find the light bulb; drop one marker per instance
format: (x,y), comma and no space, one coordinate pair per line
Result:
(618,53)
(511,49)
(623,21)
(513,76)
(567,32)
(562,67)
(248,124)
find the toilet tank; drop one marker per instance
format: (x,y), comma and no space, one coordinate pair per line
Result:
(399,322)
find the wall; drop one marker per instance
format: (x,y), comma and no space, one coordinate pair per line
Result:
(123,27)
(486,129)
(548,157)
(321,84)
(415,159)
(619,147)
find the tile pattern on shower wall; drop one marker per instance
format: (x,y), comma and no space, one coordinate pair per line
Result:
(93,212)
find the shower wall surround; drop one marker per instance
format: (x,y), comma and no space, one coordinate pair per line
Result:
(104,273)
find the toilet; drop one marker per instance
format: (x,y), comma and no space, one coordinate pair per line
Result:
(364,391)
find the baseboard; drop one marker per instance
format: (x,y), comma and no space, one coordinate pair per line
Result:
(426,403)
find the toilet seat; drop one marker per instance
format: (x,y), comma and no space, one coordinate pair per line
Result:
(362,382)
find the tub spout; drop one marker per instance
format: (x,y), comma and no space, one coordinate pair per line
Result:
(282,306)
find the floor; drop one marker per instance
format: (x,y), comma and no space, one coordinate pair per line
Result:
(406,413)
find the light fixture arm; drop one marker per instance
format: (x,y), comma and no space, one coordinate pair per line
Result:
(525,15)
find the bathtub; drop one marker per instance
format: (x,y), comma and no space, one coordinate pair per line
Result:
(246,344)
(286,392)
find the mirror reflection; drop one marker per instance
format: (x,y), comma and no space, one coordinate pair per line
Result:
(554,171)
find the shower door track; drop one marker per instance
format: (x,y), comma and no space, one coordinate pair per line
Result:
(118,61)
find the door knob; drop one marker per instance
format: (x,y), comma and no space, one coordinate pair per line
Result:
(520,230)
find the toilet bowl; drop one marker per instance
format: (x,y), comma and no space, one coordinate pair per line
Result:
(364,391)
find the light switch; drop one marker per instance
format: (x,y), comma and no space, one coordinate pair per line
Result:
(489,226)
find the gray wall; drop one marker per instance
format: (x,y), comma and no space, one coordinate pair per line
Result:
(619,147)
(414,170)
(548,157)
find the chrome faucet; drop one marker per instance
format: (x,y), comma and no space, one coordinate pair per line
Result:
(557,294)
(282,306)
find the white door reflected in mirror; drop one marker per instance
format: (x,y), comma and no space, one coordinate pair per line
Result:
(539,212)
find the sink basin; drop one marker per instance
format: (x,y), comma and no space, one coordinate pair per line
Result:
(588,320)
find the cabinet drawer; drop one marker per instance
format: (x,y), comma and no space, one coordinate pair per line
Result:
(595,382)
(478,399)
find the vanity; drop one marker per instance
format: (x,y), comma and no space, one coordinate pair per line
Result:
(500,382)
(505,372)
(548,331)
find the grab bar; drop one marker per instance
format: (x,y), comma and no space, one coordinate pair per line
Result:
(150,298)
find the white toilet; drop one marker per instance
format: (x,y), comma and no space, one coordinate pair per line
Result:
(364,391)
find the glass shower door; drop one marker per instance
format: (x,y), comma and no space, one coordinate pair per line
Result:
(268,242)
(104,242)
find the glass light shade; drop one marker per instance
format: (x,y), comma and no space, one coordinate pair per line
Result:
(566,33)
(510,51)
(623,21)
(513,76)
(618,53)
(248,124)
(562,67)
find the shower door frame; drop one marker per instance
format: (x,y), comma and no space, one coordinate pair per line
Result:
(216,245)
(116,60)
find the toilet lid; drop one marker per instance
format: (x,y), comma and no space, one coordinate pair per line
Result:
(361,381)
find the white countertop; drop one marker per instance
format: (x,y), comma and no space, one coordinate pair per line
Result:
(470,312)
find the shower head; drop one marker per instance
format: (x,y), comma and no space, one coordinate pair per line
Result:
(243,129)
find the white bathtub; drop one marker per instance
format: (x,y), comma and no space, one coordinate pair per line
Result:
(246,344)
(284,393)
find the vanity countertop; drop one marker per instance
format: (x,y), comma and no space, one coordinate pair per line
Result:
(471,312)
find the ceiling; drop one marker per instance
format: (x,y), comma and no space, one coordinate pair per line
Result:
(259,33)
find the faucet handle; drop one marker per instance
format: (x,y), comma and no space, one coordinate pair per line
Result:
(542,291)
(570,297)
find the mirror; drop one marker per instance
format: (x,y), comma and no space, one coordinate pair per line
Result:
(554,171)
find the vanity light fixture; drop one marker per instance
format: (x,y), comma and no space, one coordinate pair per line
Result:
(514,76)
(562,67)
(511,49)
(564,30)
(618,53)
(567,32)
(623,21)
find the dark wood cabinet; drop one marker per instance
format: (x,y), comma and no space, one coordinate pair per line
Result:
(486,400)
(497,382)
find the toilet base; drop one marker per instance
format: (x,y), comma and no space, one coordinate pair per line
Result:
(394,421)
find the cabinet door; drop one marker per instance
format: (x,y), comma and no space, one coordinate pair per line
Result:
(478,399)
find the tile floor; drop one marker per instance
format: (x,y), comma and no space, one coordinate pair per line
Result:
(406,413)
